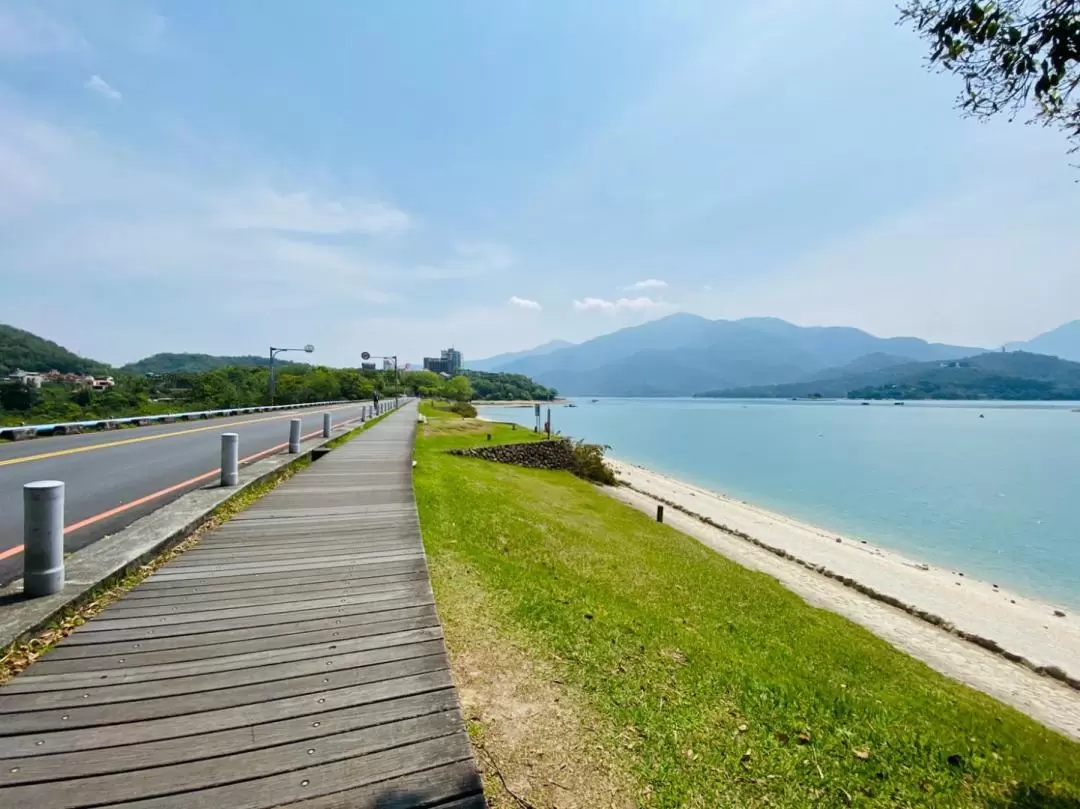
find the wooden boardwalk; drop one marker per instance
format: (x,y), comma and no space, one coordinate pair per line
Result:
(293,657)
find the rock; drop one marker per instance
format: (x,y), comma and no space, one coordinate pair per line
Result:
(555,454)
(1059,613)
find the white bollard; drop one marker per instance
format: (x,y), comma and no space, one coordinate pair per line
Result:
(230,459)
(326,424)
(43,537)
(294,436)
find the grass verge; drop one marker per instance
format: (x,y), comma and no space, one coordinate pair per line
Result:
(710,684)
(19,655)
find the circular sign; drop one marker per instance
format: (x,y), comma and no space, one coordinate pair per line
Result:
(365,356)
(309,348)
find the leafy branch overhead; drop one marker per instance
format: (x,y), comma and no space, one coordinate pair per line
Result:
(1013,55)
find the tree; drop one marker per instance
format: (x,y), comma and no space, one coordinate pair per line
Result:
(458,389)
(1011,54)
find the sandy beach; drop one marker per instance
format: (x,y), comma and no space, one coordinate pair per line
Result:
(1020,650)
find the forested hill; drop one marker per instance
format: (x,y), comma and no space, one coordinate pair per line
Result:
(1016,375)
(22,349)
(507,387)
(168,363)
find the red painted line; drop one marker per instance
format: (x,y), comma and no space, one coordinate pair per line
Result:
(168,490)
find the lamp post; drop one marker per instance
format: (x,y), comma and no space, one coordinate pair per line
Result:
(273,353)
(367,356)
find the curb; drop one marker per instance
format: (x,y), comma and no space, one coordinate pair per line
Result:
(116,555)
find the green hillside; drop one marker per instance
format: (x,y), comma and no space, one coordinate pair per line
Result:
(1016,375)
(22,349)
(169,363)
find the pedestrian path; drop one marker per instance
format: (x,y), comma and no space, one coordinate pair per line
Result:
(293,657)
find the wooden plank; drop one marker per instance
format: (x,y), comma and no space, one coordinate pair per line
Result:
(139,674)
(237,716)
(347,670)
(324,779)
(344,589)
(208,628)
(400,591)
(210,595)
(68,652)
(450,786)
(345,564)
(138,658)
(221,743)
(163,589)
(241,767)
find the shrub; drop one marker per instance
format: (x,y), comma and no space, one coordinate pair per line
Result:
(589,463)
(463,409)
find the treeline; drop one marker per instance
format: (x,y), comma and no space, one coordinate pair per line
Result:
(1004,388)
(507,387)
(219,389)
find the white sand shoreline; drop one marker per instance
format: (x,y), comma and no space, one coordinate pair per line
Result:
(1000,642)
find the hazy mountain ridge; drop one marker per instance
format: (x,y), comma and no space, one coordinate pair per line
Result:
(1063,342)
(684,354)
(500,360)
(993,375)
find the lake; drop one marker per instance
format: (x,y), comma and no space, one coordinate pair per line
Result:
(989,488)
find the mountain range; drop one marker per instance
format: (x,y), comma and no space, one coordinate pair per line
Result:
(684,354)
(1019,375)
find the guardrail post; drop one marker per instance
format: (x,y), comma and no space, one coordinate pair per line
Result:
(43,537)
(230,459)
(294,436)
(325,425)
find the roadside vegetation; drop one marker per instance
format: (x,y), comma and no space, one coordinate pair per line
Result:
(703,684)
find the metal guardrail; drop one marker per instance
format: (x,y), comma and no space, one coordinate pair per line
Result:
(65,427)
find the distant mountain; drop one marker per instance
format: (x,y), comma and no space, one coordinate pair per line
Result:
(1064,342)
(24,350)
(683,354)
(500,360)
(1017,375)
(869,362)
(167,363)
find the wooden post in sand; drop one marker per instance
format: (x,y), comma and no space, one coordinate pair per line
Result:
(659,513)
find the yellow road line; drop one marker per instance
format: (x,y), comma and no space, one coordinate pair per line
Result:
(122,442)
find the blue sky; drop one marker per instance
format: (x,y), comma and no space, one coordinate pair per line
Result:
(400,176)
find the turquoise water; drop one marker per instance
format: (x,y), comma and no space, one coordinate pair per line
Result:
(997,497)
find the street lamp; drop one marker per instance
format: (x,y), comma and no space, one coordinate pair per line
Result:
(273,353)
(367,356)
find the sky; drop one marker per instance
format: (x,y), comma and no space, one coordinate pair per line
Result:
(401,177)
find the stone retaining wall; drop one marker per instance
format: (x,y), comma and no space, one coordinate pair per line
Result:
(555,454)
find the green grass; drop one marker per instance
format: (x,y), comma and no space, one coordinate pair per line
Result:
(733,691)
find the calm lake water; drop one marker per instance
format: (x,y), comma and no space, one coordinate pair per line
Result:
(997,497)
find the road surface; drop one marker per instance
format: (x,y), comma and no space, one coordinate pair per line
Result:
(112,478)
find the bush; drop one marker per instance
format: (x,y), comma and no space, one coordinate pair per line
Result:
(463,409)
(589,463)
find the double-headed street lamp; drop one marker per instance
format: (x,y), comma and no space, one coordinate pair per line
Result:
(273,353)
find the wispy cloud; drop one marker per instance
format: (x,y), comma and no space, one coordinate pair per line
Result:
(470,260)
(640,304)
(29,31)
(525,303)
(648,283)
(98,85)
(303,212)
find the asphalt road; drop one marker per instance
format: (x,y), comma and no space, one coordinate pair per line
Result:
(113,478)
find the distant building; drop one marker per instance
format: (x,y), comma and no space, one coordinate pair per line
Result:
(30,379)
(367,366)
(388,364)
(449,362)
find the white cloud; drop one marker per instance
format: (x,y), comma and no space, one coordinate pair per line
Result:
(525,303)
(648,283)
(302,212)
(102,88)
(640,304)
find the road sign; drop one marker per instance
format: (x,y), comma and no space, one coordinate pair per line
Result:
(365,356)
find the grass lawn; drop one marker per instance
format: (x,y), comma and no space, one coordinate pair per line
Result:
(714,685)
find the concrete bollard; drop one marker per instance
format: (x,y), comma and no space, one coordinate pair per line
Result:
(294,436)
(43,538)
(326,424)
(230,459)
(659,513)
